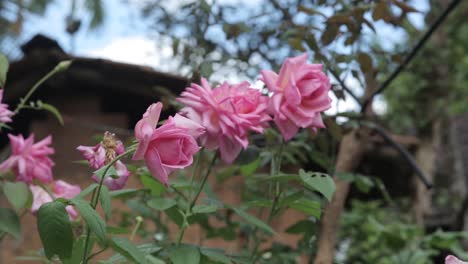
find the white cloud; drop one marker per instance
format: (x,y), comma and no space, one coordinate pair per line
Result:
(135,50)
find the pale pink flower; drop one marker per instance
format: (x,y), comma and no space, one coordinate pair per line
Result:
(168,147)
(228,112)
(29,160)
(300,94)
(60,189)
(453,260)
(96,156)
(5,113)
(116,182)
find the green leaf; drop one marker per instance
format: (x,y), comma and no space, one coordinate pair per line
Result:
(216,255)
(3,69)
(128,250)
(184,254)
(52,109)
(363,183)
(10,223)
(17,193)
(254,220)
(161,203)
(55,230)
(92,219)
(125,193)
(204,209)
(176,216)
(77,252)
(319,182)
(250,168)
(146,249)
(291,198)
(87,191)
(105,200)
(309,207)
(156,188)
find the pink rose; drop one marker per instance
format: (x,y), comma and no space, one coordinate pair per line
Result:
(60,189)
(228,112)
(96,156)
(5,113)
(168,147)
(300,94)
(453,260)
(29,160)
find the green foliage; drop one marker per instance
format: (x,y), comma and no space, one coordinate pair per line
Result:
(9,223)
(92,219)
(18,194)
(399,240)
(55,230)
(128,249)
(320,182)
(184,254)
(3,69)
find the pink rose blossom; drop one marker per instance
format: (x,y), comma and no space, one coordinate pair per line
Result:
(96,156)
(453,260)
(300,94)
(30,160)
(60,189)
(5,113)
(115,182)
(169,147)
(228,112)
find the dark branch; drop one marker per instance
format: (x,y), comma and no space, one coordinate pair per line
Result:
(412,53)
(343,85)
(402,151)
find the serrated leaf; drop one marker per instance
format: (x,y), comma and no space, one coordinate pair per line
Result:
(254,220)
(92,219)
(51,109)
(215,255)
(184,254)
(105,200)
(162,203)
(55,230)
(10,223)
(319,182)
(3,69)
(204,209)
(17,193)
(128,250)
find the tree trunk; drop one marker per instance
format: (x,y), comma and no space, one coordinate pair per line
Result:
(349,156)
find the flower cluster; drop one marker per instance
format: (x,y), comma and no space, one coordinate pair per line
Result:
(222,118)
(30,162)
(103,153)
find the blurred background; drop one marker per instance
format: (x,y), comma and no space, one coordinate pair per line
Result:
(130,53)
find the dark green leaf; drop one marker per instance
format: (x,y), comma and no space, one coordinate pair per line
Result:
(17,193)
(92,219)
(320,182)
(87,191)
(215,255)
(110,172)
(254,220)
(105,200)
(77,252)
(10,223)
(125,193)
(309,207)
(128,250)
(184,254)
(250,168)
(55,230)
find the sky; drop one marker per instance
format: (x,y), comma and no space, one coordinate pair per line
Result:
(124,37)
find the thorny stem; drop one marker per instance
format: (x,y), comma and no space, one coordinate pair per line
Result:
(95,199)
(275,167)
(195,198)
